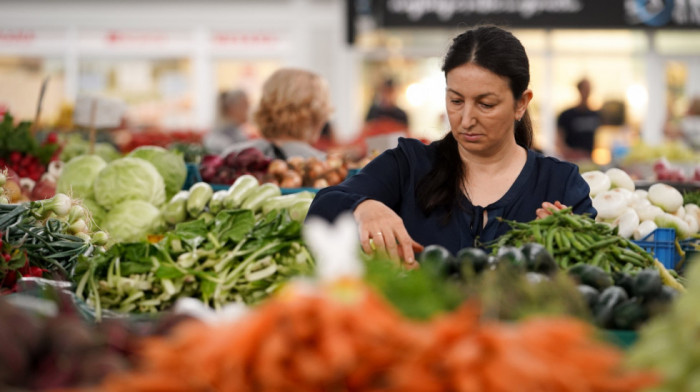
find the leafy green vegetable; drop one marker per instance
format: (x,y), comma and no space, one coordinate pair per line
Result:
(169,164)
(233,257)
(132,220)
(19,139)
(691,197)
(78,176)
(129,179)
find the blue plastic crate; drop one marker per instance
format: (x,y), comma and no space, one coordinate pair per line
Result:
(661,243)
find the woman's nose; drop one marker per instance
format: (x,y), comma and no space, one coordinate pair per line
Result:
(468,119)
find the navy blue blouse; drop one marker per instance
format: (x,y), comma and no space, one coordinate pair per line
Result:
(391,178)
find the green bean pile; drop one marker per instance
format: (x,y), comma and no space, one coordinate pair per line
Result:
(574,239)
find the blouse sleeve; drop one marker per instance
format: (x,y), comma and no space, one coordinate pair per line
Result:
(380,180)
(577,195)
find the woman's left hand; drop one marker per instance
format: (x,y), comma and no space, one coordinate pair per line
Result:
(547,209)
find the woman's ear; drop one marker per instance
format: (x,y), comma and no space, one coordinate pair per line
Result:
(521,104)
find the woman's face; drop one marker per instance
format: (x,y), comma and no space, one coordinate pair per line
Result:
(481,109)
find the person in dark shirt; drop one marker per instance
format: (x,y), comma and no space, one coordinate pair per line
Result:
(385,108)
(576,127)
(451,191)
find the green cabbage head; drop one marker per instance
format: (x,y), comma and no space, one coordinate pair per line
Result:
(132,221)
(129,179)
(78,176)
(169,164)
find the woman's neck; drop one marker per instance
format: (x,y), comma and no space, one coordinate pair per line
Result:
(503,158)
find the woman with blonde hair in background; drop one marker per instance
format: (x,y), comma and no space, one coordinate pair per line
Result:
(293,108)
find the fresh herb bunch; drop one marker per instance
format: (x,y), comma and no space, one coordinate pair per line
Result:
(19,140)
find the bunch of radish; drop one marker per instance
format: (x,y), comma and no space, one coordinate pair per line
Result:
(636,212)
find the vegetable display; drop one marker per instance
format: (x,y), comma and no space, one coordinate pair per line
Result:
(637,213)
(129,179)
(347,338)
(574,239)
(232,257)
(169,164)
(666,344)
(43,236)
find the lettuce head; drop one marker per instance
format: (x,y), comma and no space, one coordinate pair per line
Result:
(169,164)
(129,179)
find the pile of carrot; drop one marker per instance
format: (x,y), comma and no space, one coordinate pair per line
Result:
(357,342)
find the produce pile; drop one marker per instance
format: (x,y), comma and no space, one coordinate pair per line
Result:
(295,172)
(345,337)
(666,344)
(637,213)
(43,238)
(25,160)
(236,247)
(124,196)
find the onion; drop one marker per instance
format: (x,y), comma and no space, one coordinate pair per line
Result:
(693,225)
(627,194)
(665,196)
(609,204)
(644,229)
(649,212)
(620,179)
(669,221)
(641,193)
(680,212)
(626,223)
(277,167)
(693,210)
(291,179)
(597,181)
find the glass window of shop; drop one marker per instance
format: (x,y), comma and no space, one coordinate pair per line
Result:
(157,92)
(20,84)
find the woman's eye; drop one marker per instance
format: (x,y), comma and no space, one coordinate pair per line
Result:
(486,106)
(455,101)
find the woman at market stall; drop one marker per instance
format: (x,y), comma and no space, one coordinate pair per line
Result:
(452,191)
(293,108)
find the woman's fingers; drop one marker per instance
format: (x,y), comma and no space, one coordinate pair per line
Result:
(364,241)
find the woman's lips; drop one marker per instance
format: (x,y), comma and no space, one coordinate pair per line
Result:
(471,137)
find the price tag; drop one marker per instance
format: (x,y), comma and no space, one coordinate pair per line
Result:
(98,112)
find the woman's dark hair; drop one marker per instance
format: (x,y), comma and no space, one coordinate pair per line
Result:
(498,51)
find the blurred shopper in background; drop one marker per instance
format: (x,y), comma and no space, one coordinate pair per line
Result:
(577,126)
(384,106)
(294,107)
(459,191)
(687,129)
(233,107)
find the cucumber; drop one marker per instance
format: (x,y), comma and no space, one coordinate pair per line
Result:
(258,197)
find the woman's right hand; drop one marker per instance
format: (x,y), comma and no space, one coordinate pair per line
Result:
(386,229)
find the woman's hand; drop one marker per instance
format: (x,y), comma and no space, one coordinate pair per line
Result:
(381,224)
(547,209)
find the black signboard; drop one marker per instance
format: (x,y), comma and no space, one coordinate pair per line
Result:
(594,14)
